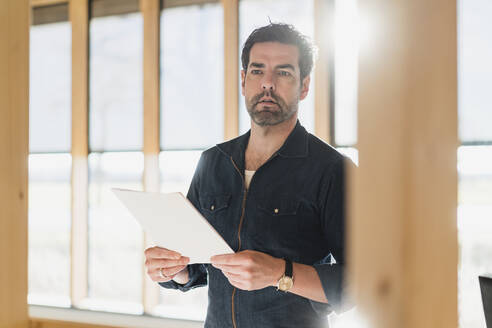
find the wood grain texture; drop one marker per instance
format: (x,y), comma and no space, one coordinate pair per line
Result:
(231,68)
(79,18)
(14,138)
(403,246)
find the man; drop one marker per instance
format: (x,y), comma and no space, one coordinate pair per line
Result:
(276,196)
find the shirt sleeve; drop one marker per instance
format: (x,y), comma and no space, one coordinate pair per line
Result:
(198,278)
(331,269)
(197,272)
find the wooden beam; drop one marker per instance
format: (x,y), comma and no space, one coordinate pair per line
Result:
(44,323)
(43,3)
(403,236)
(14,131)
(323,36)
(72,318)
(49,14)
(151,25)
(151,22)
(181,3)
(79,18)
(62,317)
(231,68)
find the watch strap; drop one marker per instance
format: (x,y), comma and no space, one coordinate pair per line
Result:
(288,268)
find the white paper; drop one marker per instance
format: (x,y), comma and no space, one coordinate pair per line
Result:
(174,223)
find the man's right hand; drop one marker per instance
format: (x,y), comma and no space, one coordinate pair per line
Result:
(164,265)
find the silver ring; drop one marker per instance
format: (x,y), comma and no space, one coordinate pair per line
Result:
(162,275)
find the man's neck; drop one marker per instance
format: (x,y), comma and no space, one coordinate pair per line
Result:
(266,140)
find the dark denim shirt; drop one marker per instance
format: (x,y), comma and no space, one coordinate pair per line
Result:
(294,208)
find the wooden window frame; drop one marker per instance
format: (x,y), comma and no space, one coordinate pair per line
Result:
(79,16)
(14,141)
(404,224)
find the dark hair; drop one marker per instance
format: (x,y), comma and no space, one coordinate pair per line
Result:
(283,33)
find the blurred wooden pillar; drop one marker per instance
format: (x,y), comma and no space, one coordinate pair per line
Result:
(403,247)
(14,123)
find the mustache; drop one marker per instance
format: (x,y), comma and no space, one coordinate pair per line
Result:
(270,94)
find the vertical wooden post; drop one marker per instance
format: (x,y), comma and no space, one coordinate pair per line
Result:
(231,68)
(79,18)
(323,36)
(403,235)
(151,23)
(14,124)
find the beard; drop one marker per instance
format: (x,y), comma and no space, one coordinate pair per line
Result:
(269,115)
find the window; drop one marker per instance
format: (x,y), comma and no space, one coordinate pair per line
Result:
(115,238)
(50,160)
(50,63)
(344,105)
(345,73)
(49,229)
(115,140)
(116,114)
(191,120)
(192,77)
(176,170)
(474,157)
(192,115)
(474,70)
(474,230)
(298,13)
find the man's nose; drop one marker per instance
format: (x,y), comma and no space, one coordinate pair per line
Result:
(268,82)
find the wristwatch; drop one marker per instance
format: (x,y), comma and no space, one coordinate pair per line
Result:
(286,282)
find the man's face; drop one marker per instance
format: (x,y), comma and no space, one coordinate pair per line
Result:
(271,85)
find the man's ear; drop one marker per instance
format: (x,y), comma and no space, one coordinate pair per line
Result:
(243,78)
(305,87)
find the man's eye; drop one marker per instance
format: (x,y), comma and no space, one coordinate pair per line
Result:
(255,71)
(284,73)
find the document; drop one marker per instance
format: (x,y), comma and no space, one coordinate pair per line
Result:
(174,223)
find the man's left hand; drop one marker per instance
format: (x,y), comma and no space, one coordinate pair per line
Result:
(250,270)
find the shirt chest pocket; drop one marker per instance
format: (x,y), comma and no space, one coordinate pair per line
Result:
(276,224)
(278,207)
(214,208)
(280,214)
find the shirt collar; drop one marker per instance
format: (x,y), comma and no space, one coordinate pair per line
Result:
(295,146)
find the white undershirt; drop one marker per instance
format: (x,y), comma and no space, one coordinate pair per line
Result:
(248,175)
